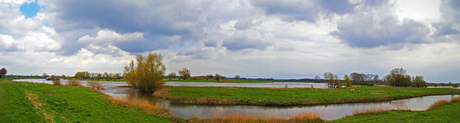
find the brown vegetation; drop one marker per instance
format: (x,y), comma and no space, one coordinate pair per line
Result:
(239,118)
(438,103)
(148,73)
(144,104)
(95,84)
(38,106)
(73,82)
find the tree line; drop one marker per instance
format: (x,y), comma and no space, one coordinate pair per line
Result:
(397,77)
(98,76)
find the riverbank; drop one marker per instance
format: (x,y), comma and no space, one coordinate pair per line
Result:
(33,102)
(291,96)
(226,81)
(447,113)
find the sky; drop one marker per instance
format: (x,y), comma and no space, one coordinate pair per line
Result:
(251,38)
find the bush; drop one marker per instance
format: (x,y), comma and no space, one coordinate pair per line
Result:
(363,83)
(95,84)
(73,82)
(147,75)
(56,80)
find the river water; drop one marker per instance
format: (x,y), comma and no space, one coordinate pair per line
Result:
(327,112)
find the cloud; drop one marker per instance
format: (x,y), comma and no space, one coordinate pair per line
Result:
(246,40)
(449,29)
(371,28)
(304,10)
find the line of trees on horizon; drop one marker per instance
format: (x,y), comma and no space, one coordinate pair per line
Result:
(98,76)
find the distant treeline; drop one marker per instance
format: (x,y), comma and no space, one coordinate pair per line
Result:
(98,76)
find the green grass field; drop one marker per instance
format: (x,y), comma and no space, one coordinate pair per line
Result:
(443,114)
(289,97)
(31,102)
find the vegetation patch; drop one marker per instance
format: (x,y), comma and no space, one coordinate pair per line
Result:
(26,102)
(239,118)
(290,97)
(443,113)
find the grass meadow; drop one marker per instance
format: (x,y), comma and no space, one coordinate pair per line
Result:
(291,96)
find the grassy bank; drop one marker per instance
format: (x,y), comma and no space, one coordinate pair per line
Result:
(32,102)
(290,97)
(447,113)
(226,81)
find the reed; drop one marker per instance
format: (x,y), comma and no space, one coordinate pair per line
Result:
(73,82)
(144,104)
(239,118)
(438,103)
(370,110)
(95,84)
(456,99)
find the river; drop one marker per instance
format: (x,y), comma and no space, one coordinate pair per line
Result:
(327,112)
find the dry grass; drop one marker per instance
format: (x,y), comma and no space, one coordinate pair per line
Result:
(73,82)
(143,104)
(370,110)
(239,118)
(57,81)
(438,103)
(456,99)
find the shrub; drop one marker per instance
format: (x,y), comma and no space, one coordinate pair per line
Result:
(147,75)
(56,80)
(73,82)
(95,84)
(363,83)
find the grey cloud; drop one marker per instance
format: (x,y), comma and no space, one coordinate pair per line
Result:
(451,12)
(246,40)
(307,10)
(244,24)
(156,19)
(365,30)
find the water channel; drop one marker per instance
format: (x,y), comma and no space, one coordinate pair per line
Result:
(327,112)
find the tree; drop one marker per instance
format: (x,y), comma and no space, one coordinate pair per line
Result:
(184,73)
(3,72)
(347,81)
(317,78)
(218,77)
(398,77)
(418,81)
(172,75)
(147,75)
(45,75)
(332,81)
(237,77)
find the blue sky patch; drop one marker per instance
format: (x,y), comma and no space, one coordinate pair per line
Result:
(30,9)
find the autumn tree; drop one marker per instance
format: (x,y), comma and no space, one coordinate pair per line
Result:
(148,74)
(184,73)
(217,77)
(347,81)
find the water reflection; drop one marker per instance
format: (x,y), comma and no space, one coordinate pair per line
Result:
(328,112)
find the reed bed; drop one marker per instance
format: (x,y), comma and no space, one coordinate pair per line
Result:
(73,82)
(239,118)
(438,103)
(143,104)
